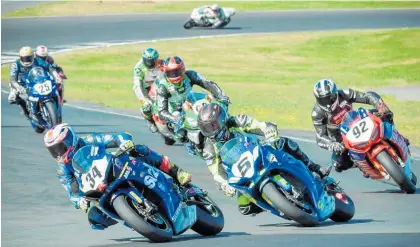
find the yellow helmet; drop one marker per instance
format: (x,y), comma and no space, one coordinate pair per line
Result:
(26,56)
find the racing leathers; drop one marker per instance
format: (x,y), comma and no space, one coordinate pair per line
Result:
(208,16)
(247,124)
(18,75)
(69,177)
(170,97)
(327,123)
(143,82)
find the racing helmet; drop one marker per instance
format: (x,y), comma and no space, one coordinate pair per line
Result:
(61,142)
(41,51)
(212,120)
(26,56)
(150,57)
(215,7)
(174,70)
(326,94)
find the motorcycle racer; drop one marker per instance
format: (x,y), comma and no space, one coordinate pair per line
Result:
(45,60)
(213,14)
(145,73)
(328,112)
(218,128)
(62,142)
(176,83)
(18,73)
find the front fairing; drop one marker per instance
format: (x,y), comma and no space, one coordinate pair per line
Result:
(44,89)
(127,168)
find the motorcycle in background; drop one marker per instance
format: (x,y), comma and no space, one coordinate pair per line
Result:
(196,20)
(381,159)
(42,91)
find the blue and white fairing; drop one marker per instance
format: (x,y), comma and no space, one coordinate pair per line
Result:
(250,166)
(93,165)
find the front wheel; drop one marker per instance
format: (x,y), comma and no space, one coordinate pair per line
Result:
(155,228)
(344,208)
(189,24)
(52,113)
(288,208)
(210,220)
(225,22)
(169,141)
(396,172)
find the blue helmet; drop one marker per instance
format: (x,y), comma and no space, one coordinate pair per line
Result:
(326,94)
(150,57)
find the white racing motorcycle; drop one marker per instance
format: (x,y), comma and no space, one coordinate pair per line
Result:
(197,21)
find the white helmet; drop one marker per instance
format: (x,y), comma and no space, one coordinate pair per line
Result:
(26,56)
(214,7)
(41,51)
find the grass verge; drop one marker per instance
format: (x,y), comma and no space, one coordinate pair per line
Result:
(269,77)
(113,7)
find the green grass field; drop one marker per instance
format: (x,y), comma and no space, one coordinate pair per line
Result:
(112,7)
(267,76)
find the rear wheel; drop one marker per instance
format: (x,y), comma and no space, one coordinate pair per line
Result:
(169,141)
(344,208)
(414,178)
(396,172)
(288,208)
(157,228)
(210,220)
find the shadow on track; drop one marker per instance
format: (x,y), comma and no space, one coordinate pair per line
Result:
(224,28)
(390,191)
(323,224)
(181,238)
(72,125)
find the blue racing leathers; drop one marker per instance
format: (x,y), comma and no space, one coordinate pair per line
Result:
(67,177)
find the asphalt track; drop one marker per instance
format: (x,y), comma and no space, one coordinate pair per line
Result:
(36,210)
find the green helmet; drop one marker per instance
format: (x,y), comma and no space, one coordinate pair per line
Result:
(150,57)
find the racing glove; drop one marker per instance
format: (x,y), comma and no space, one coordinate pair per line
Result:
(83,204)
(227,189)
(336,147)
(224,99)
(270,132)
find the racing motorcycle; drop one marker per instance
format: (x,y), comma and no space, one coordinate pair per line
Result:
(141,197)
(381,159)
(43,92)
(196,21)
(190,110)
(281,184)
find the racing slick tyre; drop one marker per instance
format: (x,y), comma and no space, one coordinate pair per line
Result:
(344,208)
(287,207)
(157,229)
(189,24)
(210,219)
(396,172)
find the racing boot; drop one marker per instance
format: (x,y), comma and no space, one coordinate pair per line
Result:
(180,176)
(24,107)
(293,149)
(98,220)
(152,126)
(246,207)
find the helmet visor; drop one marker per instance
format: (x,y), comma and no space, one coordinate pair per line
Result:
(149,62)
(60,148)
(173,74)
(27,59)
(212,128)
(327,101)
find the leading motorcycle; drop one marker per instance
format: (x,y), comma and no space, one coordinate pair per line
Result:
(381,159)
(141,197)
(281,184)
(196,19)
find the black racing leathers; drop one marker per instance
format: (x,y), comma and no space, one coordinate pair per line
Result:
(327,123)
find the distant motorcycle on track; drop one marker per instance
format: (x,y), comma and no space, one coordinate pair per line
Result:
(198,20)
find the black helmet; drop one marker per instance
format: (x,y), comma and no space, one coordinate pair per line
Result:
(212,121)
(326,94)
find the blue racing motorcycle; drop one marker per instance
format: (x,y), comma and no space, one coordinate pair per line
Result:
(282,185)
(44,101)
(141,197)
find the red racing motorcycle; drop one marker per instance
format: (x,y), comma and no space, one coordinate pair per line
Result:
(378,149)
